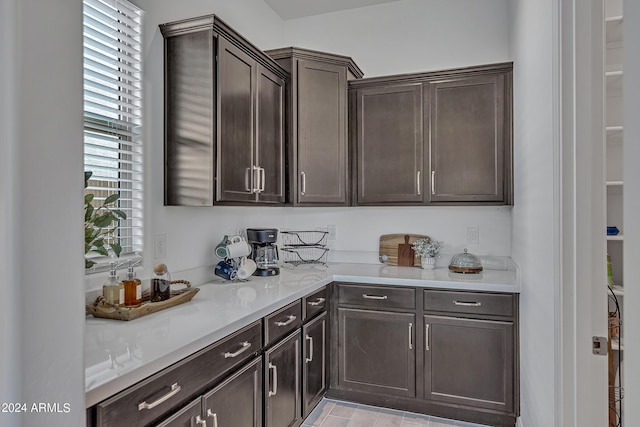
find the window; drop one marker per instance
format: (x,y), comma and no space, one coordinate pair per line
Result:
(112,113)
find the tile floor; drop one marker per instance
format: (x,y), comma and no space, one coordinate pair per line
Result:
(335,413)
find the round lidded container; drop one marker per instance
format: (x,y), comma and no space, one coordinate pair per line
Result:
(465,263)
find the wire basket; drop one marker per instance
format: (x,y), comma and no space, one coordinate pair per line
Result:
(304,255)
(304,238)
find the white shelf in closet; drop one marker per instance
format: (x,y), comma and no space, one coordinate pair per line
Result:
(616,238)
(614,81)
(617,344)
(614,132)
(618,290)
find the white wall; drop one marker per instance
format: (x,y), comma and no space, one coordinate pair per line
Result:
(410,35)
(426,35)
(534,214)
(631,211)
(48,183)
(10,390)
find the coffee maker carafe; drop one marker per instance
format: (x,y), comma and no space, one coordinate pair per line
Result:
(264,250)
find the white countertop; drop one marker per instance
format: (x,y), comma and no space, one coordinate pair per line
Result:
(118,354)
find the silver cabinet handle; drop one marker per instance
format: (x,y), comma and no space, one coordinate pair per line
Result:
(468,303)
(245,346)
(433,182)
(410,336)
(210,413)
(248,180)
(418,182)
(175,389)
(378,297)
(316,302)
(201,422)
(310,358)
(426,337)
(262,179)
(303,184)
(255,181)
(288,322)
(275,380)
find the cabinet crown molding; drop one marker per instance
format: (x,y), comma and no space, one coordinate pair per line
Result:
(302,53)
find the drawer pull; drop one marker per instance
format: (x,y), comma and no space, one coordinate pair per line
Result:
(378,297)
(410,336)
(426,337)
(245,347)
(175,389)
(210,413)
(291,319)
(201,422)
(275,380)
(468,303)
(316,302)
(310,358)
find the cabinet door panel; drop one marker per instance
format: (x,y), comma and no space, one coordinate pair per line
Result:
(270,136)
(469,362)
(314,362)
(467,139)
(377,352)
(236,94)
(238,400)
(390,144)
(282,383)
(322,133)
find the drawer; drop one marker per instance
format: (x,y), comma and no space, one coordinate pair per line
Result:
(378,297)
(469,302)
(281,322)
(315,303)
(166,391)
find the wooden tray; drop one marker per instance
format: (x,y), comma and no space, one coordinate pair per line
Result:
(388,253)
(100,309)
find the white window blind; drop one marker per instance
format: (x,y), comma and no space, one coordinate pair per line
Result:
(112,31)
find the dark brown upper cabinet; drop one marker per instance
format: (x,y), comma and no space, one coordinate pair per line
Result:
(442,137)
(224,117)
(317,114)
(467,141)
(389,144)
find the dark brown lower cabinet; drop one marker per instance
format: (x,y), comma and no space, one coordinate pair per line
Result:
(238,400)
(314,364)
(376,352)
(282,383)
(469,362)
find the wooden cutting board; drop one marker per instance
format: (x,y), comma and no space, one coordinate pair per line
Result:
(391,243)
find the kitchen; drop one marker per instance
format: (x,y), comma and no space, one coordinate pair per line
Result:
(523,232)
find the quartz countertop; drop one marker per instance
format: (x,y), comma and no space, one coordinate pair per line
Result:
(118,354)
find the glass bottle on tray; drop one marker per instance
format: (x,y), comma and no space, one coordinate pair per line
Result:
(160,284)
(132,288)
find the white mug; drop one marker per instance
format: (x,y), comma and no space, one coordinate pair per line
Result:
(237,247)
(246,268)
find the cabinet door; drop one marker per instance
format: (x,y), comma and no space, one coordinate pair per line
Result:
(236,167)
(376,352)
(282,383)
(469,362)
(390,144)
(321,133)
(238,400)
(270,137)
(468,139)
(189,416)
(314,370)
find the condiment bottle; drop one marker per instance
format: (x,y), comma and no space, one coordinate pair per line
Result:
(160,284)
(132,288)
(112,289)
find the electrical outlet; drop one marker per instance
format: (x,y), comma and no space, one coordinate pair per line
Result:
(473,235)
(332,232)
(160,246)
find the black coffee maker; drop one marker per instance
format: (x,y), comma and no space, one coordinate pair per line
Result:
(264,250)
